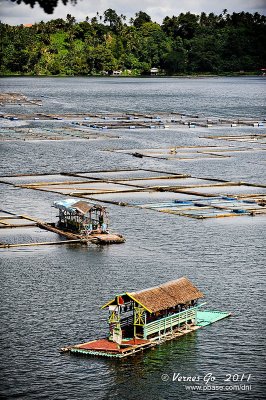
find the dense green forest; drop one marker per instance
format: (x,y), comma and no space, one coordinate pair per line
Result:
(183,44)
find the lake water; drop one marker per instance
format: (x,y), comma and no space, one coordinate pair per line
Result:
(51,296)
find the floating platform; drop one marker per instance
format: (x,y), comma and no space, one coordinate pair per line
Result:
(105,238)
(106,348)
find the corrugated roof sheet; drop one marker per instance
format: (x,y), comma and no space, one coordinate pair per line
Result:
(71,205)
(83,207)
(168,295)
(66,203)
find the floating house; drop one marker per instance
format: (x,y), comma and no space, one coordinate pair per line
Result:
(143,319)
(87,221)
(82,217)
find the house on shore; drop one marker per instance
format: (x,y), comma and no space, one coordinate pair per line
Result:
(117,73)
(154,71)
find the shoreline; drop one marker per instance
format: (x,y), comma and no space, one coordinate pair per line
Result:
(187,76)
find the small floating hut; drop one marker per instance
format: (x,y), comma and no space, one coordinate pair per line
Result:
(143,319)
(87,221)
(82,217)
(79,222)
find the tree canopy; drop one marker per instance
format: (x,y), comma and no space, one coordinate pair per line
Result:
(182,44)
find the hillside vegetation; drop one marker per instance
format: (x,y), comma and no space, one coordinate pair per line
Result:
(183,44)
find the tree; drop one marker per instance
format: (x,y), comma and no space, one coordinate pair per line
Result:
(175,60)
(48,5)
(187,43)
(187,25)
(171,26)
(204,54)
(140,19)
(70,20)
(100,59)
(111,16)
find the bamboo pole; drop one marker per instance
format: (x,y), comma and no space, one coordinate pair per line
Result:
(178,176)
(16,226)
(40,243)
(37,184)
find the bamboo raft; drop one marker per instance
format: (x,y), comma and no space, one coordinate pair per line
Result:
(106,348)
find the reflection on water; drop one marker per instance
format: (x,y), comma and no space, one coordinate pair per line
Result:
(145,370)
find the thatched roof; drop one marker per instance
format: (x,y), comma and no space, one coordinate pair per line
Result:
(168,295)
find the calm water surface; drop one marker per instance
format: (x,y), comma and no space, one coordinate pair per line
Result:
(51,296)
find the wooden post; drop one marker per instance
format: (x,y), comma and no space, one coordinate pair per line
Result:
(135,329)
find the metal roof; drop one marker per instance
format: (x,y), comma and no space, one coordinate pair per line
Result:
(73,205)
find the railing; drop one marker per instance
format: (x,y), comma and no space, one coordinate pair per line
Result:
(172,321)
(127,321)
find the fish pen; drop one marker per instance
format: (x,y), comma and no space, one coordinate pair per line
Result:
(18,99)
(211,207)
(259,138)
(121,120)
(143,188)
(190,153)
(65,133)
